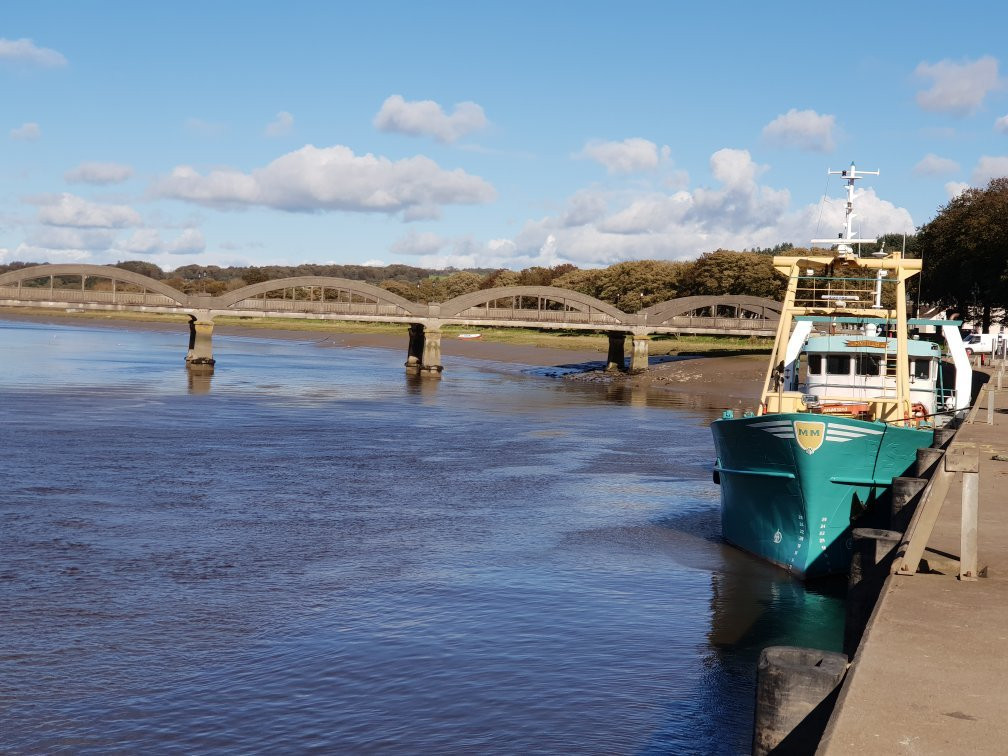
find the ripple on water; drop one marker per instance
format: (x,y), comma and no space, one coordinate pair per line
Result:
(314,552)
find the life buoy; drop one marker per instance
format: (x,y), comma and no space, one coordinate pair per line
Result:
(919,411)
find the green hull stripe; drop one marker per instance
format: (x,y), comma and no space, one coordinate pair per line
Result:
(760,473)
(861,481)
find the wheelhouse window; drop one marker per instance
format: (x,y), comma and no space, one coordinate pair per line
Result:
(867,364)
(838,364)
(815,364)
(920,369)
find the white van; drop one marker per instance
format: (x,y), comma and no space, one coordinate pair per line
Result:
(980,343)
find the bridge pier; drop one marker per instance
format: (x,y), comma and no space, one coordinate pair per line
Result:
(639,356)
(431,363)
(415,351)
(200,353)
(616,361)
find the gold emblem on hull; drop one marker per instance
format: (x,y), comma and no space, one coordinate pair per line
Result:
(809,435)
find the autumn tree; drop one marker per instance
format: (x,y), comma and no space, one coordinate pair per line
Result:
(965,252)
(726,272)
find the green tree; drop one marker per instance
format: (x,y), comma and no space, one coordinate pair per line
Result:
(143,268)
(965,253)
(727,272)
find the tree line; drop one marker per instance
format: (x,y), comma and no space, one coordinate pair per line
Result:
(630,286)
(965,251)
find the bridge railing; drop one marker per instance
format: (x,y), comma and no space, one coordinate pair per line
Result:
(316,306)
(538,316)
(88,296)
(720,324)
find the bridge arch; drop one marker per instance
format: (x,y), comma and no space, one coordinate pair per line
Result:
(744,306)
(548,299)
(400,305)
(95,271)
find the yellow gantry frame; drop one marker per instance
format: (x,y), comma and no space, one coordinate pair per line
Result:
(898,409)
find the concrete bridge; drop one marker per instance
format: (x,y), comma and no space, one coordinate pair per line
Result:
(100,287)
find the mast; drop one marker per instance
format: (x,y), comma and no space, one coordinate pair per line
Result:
(844,250)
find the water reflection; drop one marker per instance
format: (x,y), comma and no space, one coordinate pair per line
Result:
(199,377)
(421,385)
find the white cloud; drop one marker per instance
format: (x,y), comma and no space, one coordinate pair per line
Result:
(148,241)
(33,253)
(957,88)
(426,118)
(26,51)
(26,132)
(374,263)
(280,125)
(64,238)
(331,178)
(414,243)
(954,188)
(932,165)
(76,212)
(629,156)
(98,173)
(738,213)
(802,129)
(584,207)
(989,167)
(1001,124)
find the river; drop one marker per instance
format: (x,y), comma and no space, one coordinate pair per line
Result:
(312,551)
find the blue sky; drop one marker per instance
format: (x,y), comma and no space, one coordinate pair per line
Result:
(483,134)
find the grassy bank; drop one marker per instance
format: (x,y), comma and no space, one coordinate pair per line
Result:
(573,340)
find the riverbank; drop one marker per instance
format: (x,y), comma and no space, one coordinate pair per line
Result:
(723,374)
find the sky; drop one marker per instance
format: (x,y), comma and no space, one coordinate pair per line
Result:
(484,134)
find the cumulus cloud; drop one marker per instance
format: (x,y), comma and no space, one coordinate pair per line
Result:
(98,173)
(957,88)
(1001,124)
(62,238)
(414,243)
(629,156)
(932,165)
(148,241)
(802,129)
(331,178)
(77,212)
(426,118)
(26,132)
(26,251)
(280,125)
(26,51)
(989,167)
(738,212)
(954,188)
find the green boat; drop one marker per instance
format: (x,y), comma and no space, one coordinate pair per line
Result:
(849,397)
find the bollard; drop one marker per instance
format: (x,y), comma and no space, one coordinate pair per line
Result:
(942,436)
(796,689)
(990,407)
(874,551)
(926,459)
(904,501)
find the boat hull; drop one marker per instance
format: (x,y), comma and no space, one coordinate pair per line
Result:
(791,483)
